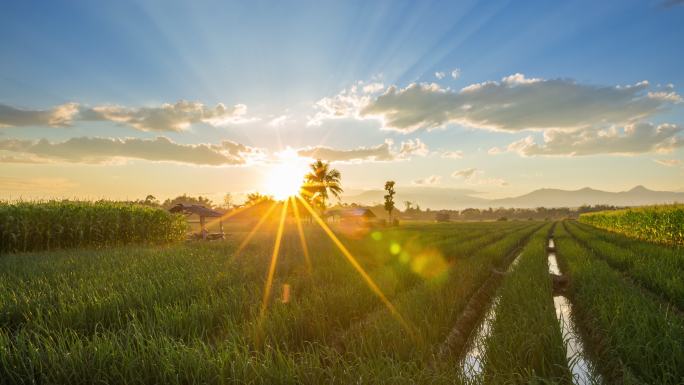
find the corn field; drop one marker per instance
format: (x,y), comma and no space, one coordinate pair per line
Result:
(660,224)
(33,226)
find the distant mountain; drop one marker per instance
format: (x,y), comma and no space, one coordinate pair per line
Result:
(637,196)
(450,198)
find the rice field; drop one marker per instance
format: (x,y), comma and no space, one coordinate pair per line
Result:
(398,305)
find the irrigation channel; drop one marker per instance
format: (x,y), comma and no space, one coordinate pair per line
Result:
(583,371)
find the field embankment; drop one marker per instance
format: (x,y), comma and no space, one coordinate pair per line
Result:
(35,226)
(660,224)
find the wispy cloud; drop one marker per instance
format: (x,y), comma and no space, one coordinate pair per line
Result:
(474,176)
(166,117)
(382,152)
(668,162)
(452,154)
(107,150)
(440,75)
(428,181)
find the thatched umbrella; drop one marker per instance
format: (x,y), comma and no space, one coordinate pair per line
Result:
(201,211)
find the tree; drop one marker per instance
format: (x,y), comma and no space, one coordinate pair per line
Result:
(408,205)
(389,198)
(227,201)
(321,181)
(187,200)
(256,198)
(151,200)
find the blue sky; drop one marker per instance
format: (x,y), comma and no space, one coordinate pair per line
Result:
(273,63)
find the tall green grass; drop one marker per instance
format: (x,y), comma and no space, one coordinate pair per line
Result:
(189,313)
(638,339)
(660,224)
(657,268)
(33,226)
(526,345)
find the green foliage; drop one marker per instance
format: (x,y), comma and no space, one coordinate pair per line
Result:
(660,224)
(32,226)
(389,198)
(638,339)
(189,313)
(525,345)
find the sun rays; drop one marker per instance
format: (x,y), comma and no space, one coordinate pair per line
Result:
(292,203)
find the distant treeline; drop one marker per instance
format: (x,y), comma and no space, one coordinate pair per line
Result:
(502,214)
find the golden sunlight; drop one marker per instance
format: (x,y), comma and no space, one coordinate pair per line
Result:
(285,178)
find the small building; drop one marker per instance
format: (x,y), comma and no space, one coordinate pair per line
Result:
(354,215)
(202,212)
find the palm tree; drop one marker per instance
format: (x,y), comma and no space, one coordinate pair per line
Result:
(321,181)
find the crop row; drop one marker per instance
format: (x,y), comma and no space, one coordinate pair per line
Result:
(32,226)
(637,339)
(660,224)
(655,267)
(192,311)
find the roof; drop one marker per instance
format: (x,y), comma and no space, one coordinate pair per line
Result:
(195,209)
(351,212)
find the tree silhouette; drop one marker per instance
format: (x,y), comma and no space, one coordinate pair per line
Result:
(389,198)
(256,198)
(321,181)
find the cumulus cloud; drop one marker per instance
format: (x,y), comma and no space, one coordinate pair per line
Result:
(346,104)
(632,139)
(382,152)
(105,150)
(440,75)
(456,73)
(452,154)
(515,103)
(166,117)
(428,181)
(59,116)
(474,176)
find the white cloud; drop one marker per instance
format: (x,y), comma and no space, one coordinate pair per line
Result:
(456,73)
(515,103)
(452,154)
(632,139)
(381,152)
(280,121)
(428,181)
(167,117)
(346,104)
(440,75)
(107,150)
(59,116)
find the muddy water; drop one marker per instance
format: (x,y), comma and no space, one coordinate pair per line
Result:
(472,364)
(581,368)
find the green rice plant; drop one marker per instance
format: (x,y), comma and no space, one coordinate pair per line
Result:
(187,313)
(525,344)
(33,226)
(659,269)
(660,224)
(638,339)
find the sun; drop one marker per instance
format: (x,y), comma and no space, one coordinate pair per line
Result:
(285,178)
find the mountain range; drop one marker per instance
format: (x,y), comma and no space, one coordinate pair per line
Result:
(452,198)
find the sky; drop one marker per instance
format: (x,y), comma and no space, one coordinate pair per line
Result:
(122,99)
